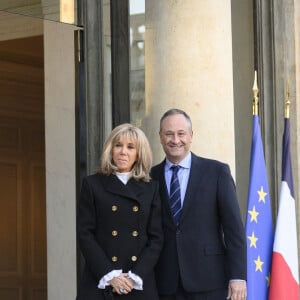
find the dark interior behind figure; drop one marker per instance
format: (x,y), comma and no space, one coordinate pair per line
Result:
(119,221)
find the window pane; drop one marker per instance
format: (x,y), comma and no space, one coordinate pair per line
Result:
(64,11)
(137,62)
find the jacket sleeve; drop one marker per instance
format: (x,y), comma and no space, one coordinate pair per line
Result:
(234,234)
(94,256)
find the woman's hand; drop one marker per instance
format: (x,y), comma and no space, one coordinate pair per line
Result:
(122,284)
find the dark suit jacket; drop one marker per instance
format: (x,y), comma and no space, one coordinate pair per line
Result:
(208,247)
(119,227)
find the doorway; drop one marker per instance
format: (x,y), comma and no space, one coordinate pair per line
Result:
(23,251)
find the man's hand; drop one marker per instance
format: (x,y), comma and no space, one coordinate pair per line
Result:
(237,290)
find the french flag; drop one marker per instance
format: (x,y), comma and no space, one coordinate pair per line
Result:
(284,284)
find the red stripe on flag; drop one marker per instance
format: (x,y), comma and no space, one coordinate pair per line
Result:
(283,284)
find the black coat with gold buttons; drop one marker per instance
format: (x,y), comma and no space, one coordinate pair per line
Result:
(119,227)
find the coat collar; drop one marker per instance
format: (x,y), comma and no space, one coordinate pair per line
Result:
(133,189)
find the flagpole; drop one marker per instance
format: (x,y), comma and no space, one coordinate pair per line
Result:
(255,96)
(287,103)
(259,226)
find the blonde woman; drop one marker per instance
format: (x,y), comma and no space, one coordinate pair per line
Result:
(119,221)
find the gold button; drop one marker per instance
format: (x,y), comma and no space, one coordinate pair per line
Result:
(135,233)
(135,208)
(133,258)
(114,233)
(114,208)
(114,258)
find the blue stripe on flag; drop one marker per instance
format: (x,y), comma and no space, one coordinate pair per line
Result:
(287,173)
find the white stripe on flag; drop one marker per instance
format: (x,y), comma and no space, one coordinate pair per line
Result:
(286,236)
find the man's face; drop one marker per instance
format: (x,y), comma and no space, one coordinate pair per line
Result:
(175,137)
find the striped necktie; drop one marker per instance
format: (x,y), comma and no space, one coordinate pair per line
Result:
(175,199)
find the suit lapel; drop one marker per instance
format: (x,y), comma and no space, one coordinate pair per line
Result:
(163,191)
(195,180)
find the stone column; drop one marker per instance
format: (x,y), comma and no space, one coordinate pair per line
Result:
(188,54)
(60,160)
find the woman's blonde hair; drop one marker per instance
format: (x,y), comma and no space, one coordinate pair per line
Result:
(141,168)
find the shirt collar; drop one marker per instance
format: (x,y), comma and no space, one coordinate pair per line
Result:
(185,163)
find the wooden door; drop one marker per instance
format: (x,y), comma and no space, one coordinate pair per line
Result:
(23,267)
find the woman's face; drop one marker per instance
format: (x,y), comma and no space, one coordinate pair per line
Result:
(124,154)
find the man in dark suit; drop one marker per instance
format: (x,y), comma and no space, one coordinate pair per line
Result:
(204,252)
